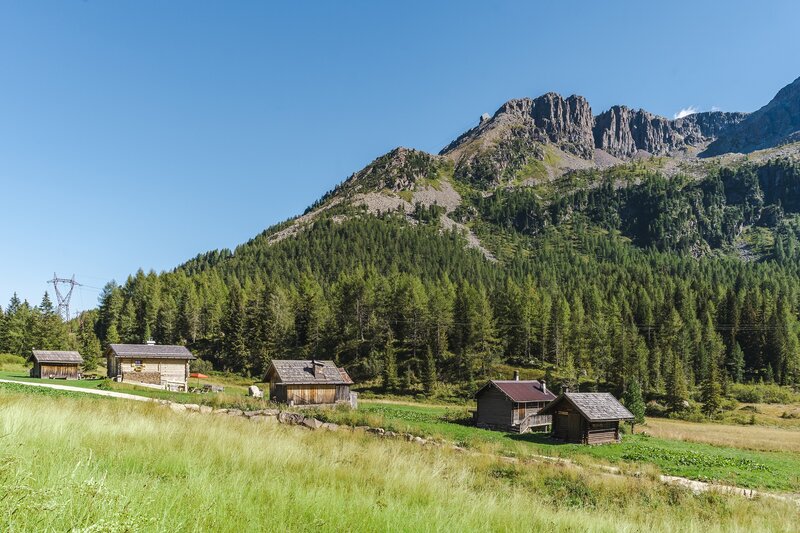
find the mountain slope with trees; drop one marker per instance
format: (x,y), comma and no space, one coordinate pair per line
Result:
(427,273)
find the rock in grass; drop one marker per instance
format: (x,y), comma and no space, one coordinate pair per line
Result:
(285,417)
(312,423)
(220,411)
(249,414)
(235,412)
(270,412)
(377,431)
(206,409)
(192,407)
(330,426)
(178,407)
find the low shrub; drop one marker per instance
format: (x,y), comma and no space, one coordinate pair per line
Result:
(763,393)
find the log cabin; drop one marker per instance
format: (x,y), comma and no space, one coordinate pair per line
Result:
(152,364)
(309,382)
(587,417)
(54,364)
(512,405)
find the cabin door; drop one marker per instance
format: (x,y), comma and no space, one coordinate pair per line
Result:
(520,412)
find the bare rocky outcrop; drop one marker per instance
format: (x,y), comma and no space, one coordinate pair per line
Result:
(624,132)
(775,124)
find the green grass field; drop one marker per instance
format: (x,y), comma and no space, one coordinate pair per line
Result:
(746,468)
(81,464)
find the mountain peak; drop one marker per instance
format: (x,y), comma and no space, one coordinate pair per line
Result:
(776,123)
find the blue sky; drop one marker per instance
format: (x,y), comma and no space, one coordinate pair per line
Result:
(138,134)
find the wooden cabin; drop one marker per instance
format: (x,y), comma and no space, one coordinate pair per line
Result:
(512,405)
(309,382)
(587,417)
(54,364)
(153,364)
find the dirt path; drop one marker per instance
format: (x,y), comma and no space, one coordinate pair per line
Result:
(98,392)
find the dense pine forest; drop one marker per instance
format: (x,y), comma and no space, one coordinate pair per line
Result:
(601,279)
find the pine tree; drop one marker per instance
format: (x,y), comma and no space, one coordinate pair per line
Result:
(712,391)
(390,381)
(634,402)
(430,371)
(677,389)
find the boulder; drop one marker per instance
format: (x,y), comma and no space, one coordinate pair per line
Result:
(330,426)
(192,407)
(270,412)
(286,417)
(206,409)
(220,411)
(235,412)
(255,392)
(377,431)
(178,407)
(248,414)
(312,423)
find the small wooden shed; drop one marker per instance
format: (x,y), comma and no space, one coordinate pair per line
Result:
(308,382)
(56,364)
(587,417)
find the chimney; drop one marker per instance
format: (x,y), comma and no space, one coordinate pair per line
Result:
(544,386)
(150,342)
(316,367)
(516,375)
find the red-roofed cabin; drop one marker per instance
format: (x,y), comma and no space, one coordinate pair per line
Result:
(513,405)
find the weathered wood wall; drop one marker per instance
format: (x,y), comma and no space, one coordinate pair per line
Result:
(56,371)
(311,394)
(494,409)
(152,371)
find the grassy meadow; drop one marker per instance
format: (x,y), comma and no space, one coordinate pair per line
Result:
(110,465)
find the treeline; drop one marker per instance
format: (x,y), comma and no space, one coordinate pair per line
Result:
(587,306)
(24,328)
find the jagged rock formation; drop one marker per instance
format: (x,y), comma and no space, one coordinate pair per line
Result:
(501,146)
(507,145)
(776,123)
(623,132)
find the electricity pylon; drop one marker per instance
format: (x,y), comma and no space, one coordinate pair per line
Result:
(63,299)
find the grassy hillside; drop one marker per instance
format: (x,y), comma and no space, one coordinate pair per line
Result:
(113,466)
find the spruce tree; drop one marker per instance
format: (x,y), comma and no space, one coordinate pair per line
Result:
(634,402)
(390,380)
(711,391)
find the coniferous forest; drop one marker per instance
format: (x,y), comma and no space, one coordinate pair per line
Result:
(601,279)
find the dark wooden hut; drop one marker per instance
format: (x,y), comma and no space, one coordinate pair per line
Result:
(512,405)
(587,417)
(56,364)
(308,382)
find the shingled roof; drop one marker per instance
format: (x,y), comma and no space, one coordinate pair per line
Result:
(57,356)
(301,372)
(521,391)
(594,406)
(151,351)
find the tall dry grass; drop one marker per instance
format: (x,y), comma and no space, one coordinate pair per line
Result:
(750,437)
(69,464)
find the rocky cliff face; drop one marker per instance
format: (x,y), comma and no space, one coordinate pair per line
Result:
(623,132)
(776,123)
(505,144)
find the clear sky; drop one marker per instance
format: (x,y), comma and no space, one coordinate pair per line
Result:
(140,133)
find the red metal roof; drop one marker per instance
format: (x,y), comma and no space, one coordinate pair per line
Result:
(523,391)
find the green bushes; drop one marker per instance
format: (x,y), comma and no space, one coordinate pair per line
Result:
(763,393)
(10,360)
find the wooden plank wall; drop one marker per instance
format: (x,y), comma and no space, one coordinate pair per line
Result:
(311,394)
